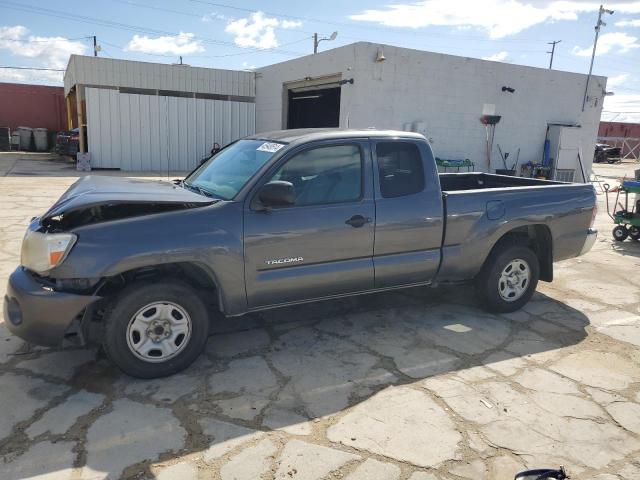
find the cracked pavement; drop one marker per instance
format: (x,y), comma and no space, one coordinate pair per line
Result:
(417,384)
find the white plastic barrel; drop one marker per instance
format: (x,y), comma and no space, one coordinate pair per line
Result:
(41,140)
(25,137)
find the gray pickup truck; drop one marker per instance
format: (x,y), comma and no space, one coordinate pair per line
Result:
(275,219)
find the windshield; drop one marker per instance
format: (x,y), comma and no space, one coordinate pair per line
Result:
(227,172)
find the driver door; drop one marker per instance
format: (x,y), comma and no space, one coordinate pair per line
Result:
(322,245)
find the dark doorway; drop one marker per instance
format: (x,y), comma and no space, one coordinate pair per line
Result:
(314,108)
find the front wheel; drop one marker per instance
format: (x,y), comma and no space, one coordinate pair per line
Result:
(155,329)
(508,278)
(620,233)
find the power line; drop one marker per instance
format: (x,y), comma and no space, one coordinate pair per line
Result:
(129,27)
(34,68)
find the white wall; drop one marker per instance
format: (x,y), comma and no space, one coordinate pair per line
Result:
(447,93)
(159,133)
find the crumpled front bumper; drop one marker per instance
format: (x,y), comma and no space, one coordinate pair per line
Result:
(37,313)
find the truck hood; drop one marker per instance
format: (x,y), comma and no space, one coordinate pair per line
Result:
(110,198)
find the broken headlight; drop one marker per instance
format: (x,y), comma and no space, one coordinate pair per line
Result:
(43,251)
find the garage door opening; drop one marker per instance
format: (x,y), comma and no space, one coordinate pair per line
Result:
(314,108)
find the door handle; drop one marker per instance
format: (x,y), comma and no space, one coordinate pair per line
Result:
(357,221)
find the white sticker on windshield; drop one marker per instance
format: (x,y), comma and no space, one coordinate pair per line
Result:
(270,147)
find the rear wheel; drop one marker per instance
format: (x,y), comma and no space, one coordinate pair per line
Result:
(634,233)
(155,330)
(620,233)
(508,278)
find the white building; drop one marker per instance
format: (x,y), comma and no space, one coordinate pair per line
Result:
(358,85)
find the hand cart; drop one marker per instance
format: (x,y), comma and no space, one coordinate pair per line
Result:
(627,220)
(447,164)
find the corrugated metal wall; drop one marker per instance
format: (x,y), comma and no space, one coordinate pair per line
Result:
(148,132)
(111,72)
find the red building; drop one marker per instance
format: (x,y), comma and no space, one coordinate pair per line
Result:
(35,106)
(619,129)
(623,135)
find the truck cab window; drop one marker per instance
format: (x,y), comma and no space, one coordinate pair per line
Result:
(324,175)
(400,167)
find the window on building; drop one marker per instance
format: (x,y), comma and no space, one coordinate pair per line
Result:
(400,167)
(324,175)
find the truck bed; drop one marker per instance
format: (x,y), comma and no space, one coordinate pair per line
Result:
(451,182)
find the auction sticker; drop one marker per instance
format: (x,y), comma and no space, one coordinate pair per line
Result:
(270,147)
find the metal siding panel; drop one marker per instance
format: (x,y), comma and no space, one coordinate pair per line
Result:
(155,160)
(226,122)
(209,125)
(192,134)
(217,110)
(125,130)
(145,134)
(105,130)
(114,127)
(174,134)
(252,118)
(163,133)
(235,120)
(93,124)
(134,109)
(201,132)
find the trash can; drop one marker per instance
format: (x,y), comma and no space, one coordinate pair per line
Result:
(15,140)
(25,137)
(5,139)
(41,140)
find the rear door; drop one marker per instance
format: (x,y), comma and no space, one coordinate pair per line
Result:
(323,244)
(409,216)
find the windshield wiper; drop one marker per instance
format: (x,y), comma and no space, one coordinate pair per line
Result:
(197,189)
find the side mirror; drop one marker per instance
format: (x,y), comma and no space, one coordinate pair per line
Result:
(277,194)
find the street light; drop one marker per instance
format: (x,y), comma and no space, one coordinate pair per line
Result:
(593,54)
(317,40)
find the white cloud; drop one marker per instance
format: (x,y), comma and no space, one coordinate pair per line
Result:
(31,76)
(497,57)
(618,41)
(256,31)
(499,18)
(622,108)
(291,23)
(628,23)
(247,66)
(209,17)
(181,44)
(52,52)
(616,81)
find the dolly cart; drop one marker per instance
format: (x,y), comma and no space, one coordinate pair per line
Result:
(627,221)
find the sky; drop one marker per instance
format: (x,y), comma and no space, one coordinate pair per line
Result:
(244,34)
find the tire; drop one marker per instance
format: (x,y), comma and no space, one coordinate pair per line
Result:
(620,233)
(155,329)
(634,233)
(510,268)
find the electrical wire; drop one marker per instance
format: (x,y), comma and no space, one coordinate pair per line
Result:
(34,68)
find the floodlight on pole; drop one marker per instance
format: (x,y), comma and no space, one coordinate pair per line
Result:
(593,53)
(317,40)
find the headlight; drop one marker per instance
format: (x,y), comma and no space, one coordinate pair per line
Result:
(43,251)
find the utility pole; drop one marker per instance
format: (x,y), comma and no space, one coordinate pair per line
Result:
(95,46)
(553,50)
(315,43)
(593,53)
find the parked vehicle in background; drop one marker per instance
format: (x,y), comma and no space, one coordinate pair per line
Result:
(606,153)
(277,219)
(68,143)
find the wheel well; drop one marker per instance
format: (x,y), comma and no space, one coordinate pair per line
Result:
(193,274)
(198,276)
(536,237)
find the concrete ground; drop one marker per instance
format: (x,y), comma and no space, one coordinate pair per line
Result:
(417,384)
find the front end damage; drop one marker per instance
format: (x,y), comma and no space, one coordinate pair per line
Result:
(44,303)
